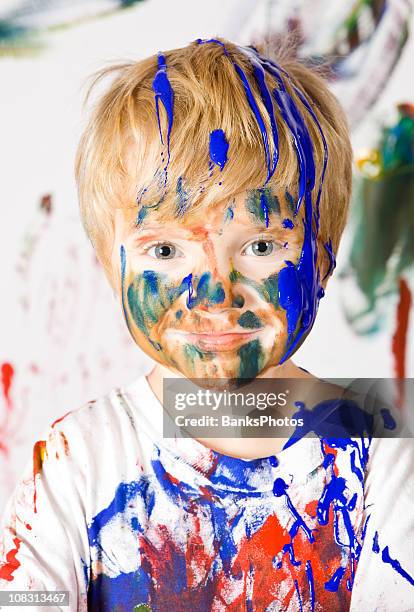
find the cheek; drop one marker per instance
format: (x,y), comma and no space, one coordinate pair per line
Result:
(147,296)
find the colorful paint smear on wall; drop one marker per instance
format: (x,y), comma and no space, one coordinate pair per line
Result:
(359,43)
(382,253)
(24,24)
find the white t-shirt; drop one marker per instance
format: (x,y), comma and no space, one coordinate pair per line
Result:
(126,520)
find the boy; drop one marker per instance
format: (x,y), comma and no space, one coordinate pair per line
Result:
(214,185)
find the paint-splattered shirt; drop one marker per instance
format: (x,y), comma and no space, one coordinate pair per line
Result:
(127,520)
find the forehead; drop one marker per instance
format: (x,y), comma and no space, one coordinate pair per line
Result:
(259,208)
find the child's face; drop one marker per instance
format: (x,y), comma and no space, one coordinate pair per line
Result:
(203,299)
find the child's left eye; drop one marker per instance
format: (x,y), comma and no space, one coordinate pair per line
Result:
(162,250)
(260,248)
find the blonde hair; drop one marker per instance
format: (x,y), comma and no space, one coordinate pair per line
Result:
(119,159)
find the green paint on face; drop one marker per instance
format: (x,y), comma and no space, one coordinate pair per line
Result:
(149,296)
(192,353)
(251,359)
(249,320)
(261,202)
(271,290)
(142,608)
(268,288)
(290,202)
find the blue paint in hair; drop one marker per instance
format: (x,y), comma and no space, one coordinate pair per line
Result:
(164,93)
(218,148)
(271,164)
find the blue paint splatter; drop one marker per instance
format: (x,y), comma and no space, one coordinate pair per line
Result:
(207,292)
(229,216)
(375,545)
(388,419)
(218,148)
(395,564)
(142,213)
(288,224)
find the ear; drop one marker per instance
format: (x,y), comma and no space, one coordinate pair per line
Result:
(324,263)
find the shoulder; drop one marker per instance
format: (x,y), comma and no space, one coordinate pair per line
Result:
(99,436)
(101,418)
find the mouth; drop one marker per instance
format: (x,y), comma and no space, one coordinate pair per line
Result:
(219,341)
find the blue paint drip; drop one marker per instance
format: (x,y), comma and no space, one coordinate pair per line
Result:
(207,292)
(229,213)
(332,260)
(375,545)
(298,289)
(288,224)
(279,489)
(218,148)
(298,594)
(142,213)
(308,107)
(188,280)
(164,93)
(267,101)
(395,564)
(333,584)
(388,419)
(274,69)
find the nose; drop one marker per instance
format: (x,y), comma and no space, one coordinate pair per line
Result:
(211,292)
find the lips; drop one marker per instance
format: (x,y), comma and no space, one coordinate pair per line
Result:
(219,341)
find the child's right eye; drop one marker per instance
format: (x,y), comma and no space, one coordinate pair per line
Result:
(162,250)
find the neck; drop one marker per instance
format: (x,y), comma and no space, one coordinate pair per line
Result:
(249,448)
(286,370)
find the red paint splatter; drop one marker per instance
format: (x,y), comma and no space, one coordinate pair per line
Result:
(7,569)
(60,418)
(46,203)
(399,340)
(7,373)
(65,444)
(171,478)
(39,454)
